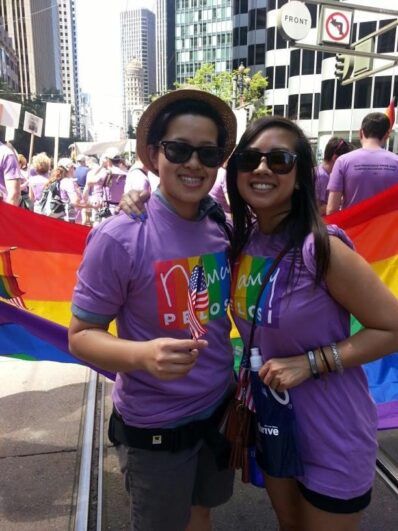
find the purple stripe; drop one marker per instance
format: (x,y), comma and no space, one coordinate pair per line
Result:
(388,415)
(44,329)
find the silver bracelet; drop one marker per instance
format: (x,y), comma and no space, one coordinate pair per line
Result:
(313,365)
(337,358)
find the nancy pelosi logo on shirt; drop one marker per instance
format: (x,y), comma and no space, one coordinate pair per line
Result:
(172,280)
(247,279)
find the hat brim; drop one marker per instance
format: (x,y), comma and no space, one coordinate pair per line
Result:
(156,107)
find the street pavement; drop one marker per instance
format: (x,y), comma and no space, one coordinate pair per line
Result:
(41,408)
(40,415)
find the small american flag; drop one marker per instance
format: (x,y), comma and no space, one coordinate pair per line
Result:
(198,300)
(244,388)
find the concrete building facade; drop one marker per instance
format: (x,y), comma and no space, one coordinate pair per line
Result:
(138,43)
(33,28)
(9,72)
(303,86)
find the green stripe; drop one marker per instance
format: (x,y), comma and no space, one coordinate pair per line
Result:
(256,270)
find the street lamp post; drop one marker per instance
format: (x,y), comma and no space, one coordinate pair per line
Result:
(239,81)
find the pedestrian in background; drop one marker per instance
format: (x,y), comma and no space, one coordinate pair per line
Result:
(303,325)
(38,179)
(366,171)
(333,150)
(10,178)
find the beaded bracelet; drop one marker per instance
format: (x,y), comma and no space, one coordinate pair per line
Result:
(313,365)
(337,358)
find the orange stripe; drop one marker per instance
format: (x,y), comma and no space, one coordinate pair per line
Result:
(376,239)
(46,276)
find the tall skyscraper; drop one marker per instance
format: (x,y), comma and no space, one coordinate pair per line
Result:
(33,28)
(138,43)
(203,35)
(165,45)
(9,72)
(69,66)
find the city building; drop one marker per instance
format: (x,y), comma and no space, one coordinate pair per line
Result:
(69,65)
(86,118)
(165,46)
(137,44)
(203,35)
(134,92)
(249,35)
(33,28)
(303,86)
(9,73)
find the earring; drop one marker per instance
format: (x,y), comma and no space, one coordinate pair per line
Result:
(297,186)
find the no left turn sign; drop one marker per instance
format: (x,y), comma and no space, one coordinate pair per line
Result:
(336,25)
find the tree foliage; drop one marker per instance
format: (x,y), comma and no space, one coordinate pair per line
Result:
(238,89)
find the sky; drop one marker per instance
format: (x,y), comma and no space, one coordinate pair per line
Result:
(98,50)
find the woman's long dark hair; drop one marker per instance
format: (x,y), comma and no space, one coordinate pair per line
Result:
(303,217)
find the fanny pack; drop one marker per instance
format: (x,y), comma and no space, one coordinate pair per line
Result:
(174,439)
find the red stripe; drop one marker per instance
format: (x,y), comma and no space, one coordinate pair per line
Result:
(22,228)
(377,205)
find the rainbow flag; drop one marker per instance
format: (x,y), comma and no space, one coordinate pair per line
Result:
(49,251)
(9,289)
(373,227)
(390,112)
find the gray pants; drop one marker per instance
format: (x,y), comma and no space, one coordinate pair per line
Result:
(163,485)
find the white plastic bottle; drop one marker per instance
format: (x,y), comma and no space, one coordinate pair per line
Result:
(256,360)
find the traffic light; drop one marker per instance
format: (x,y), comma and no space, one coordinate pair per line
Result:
(344,66)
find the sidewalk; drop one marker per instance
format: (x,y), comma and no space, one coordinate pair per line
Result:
(40,417)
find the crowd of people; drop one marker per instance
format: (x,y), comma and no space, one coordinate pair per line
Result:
(85,190)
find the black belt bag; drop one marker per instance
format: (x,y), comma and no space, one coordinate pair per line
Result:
(173,439)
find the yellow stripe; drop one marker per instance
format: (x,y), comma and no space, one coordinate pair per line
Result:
(239,296)
(387,271)
(58,312)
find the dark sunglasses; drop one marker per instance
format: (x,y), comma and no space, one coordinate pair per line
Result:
(279,161)
(180,152)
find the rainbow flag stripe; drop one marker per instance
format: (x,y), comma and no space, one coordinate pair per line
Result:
(372,226)
(9,288)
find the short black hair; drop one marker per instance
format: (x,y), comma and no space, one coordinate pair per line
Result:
(375,125)
(178,108)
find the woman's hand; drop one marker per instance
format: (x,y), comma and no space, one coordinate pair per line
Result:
(133,203)
(170,359)
(284,373)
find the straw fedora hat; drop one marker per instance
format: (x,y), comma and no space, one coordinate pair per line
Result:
(187,93)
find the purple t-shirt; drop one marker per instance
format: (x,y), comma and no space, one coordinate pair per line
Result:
(336,421)
(138,273)
(37,183)
(9,168)
(114,186)
(321,183)
(363,173)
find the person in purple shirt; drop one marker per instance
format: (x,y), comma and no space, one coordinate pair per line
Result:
(364,172)
(333,150)
(170,389)
(10,187)
(303,325)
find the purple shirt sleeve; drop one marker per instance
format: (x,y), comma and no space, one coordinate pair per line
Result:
(103,276)
(336,181)
(10,168)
